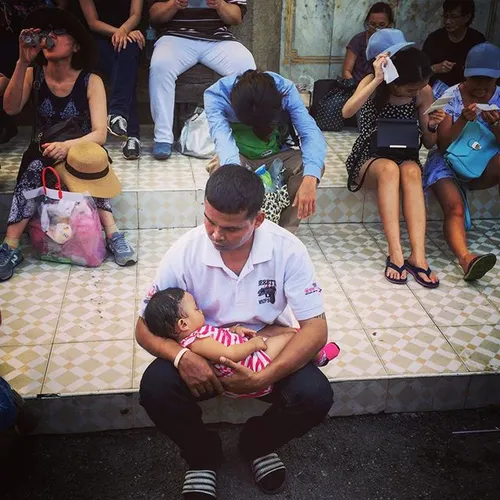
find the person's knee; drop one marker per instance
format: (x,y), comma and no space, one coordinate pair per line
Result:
(386,170)
(454,210)
(411,174)
(243,62)
(158,383)
(314,395)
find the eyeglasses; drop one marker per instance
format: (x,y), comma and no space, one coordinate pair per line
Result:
(451,17)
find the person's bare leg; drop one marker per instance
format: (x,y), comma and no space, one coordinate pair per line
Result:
(450,199)
(384,175)
(415,216)
(14,233)
(108,222)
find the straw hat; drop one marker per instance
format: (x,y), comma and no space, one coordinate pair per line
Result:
(87,169)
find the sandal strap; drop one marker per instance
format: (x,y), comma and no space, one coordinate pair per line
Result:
(266,465)
(200,481)
(419,270)
(393,266)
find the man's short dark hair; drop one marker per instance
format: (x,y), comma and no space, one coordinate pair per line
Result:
(232,189)
(466,7)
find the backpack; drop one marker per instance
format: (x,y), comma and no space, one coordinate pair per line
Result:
(328,100)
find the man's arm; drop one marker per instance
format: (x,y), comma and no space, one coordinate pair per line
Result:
(303,346)
(230,13)
(297,353)
(216,102)
(312,142)
(162,12)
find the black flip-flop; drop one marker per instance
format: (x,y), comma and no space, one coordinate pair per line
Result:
(479,266)
(400,270)
(415,271)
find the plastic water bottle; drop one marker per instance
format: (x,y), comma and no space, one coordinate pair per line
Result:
(266,178)
(150,42)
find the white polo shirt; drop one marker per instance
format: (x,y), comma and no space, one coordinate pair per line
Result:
(277,274)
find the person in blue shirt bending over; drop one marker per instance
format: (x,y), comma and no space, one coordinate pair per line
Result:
(252,118)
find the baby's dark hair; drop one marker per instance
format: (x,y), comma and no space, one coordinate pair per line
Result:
(163,311)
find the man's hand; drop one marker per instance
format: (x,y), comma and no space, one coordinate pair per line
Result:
(273,330)
(181,4)
(243,381)
(305,199)
(55,150)
(443,67)
(198,375)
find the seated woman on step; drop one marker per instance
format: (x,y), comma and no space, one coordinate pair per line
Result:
(482,69)
(391,170)
(67,89)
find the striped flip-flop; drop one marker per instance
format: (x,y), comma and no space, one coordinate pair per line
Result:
(200,482)
(269,473)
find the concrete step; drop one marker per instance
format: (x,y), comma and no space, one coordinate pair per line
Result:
(169,194)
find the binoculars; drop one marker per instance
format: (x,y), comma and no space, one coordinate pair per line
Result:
(35,39)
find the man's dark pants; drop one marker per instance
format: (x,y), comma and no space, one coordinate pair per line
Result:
(298,403)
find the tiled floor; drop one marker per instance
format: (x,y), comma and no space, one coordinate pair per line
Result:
(70,330)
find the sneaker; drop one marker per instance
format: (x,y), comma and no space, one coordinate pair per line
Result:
(131,148)
(9,259)
(117,125)
(162,150)
(120,248)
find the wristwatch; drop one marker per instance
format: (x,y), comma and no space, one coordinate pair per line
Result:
(432,130)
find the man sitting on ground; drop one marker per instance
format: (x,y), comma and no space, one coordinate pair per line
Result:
(243,269)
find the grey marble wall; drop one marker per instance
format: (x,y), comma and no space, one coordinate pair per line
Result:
(321,29)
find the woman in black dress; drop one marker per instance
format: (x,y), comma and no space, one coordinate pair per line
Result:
(406,98)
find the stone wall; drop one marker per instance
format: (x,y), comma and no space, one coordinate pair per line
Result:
(314,33)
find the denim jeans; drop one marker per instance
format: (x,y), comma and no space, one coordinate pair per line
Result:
(121,69)
(298,403)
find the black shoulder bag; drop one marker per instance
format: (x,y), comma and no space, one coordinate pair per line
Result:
(394,139)
(60,132)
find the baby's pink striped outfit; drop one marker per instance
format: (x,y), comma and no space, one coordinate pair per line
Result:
(256,361)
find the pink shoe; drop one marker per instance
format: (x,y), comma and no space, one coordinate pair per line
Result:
(330,351)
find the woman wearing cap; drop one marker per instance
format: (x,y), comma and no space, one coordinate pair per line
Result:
(482,69)
(67,90)
(356,65)
(406,98)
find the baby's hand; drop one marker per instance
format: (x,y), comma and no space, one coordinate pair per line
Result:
(259,343)
(242,331)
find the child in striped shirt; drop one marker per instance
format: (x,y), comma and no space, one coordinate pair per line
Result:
(174,314)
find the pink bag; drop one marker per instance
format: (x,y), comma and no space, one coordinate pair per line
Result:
(67,227)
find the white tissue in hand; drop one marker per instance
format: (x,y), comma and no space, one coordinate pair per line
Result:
(390,71)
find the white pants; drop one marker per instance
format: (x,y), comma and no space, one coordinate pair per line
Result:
(174,55)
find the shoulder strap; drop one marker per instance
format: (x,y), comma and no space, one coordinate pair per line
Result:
(34,100)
